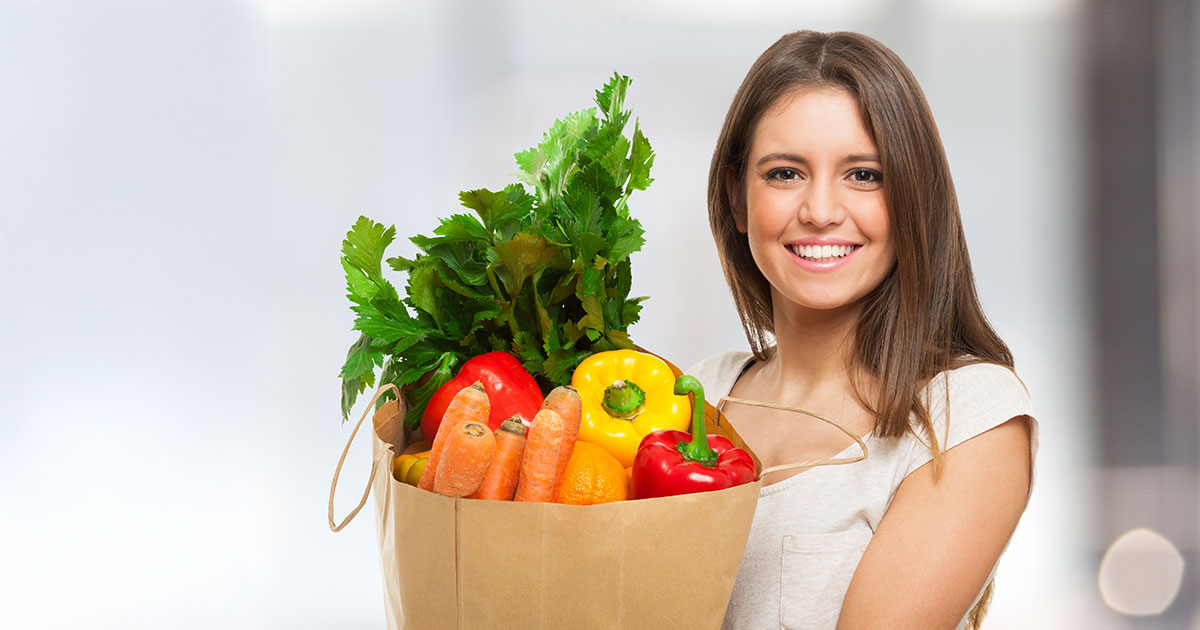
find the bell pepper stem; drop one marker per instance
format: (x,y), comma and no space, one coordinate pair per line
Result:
(696,449)
(623,399)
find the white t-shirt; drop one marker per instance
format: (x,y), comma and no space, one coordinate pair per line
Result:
(810,530)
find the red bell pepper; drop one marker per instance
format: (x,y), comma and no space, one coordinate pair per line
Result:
(511,390)
(670,462)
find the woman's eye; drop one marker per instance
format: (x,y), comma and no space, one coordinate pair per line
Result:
(783,174)
(866,176)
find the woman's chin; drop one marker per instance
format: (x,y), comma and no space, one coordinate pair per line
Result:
(824,305)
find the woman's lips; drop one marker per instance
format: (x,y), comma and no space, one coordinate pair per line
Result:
(822,257)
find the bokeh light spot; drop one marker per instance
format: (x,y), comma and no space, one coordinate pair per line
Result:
(1141,573)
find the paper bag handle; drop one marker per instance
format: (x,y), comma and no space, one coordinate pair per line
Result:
(341,460)
(819,416)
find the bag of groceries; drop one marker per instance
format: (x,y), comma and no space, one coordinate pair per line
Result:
(467,563)
(525,503)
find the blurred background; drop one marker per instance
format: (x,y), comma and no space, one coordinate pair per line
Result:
(176,178)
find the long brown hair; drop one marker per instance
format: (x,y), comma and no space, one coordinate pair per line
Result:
(925,316)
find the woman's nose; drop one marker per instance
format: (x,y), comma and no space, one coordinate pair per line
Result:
(821,206)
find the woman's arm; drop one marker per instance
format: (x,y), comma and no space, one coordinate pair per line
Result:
(938,541)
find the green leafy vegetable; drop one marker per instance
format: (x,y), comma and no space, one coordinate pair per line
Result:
(540,270)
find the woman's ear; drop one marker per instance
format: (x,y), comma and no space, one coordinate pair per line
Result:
(733,188)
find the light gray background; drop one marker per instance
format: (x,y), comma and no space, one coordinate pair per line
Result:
(175,181)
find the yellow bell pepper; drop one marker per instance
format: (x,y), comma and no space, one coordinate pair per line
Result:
(626,395)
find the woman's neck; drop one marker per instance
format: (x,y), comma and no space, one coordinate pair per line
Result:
(812,352)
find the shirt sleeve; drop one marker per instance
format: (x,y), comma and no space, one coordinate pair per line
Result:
(980,396)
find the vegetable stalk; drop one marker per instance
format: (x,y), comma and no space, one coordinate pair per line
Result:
(695,449)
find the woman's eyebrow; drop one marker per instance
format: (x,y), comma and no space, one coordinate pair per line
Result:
(799,159)
(787,157)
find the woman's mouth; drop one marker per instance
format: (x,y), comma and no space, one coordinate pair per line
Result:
(822,253)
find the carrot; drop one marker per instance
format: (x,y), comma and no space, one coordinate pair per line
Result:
(466,456)
(565,400)
(540,461)
(500,482)
(469,405)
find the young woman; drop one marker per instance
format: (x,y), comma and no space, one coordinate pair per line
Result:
(837,225)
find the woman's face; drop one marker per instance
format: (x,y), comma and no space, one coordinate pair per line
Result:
(814,211)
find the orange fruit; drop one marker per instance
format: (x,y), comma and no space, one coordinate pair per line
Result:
(592,476)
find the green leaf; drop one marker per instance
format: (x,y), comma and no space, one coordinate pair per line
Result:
(640,160)
(564,288)
(532,163)
(611,100)
(591,283)
(583,207)
(358,371)
(494,208)
(620,339)
(549,332)
(463,228)
(351,388)
(466,287)
(485,314)
(362,256)
(463,260)
(611,155)
(359,288)
(399,263)
(423,282)
(440,372)
(626,236)
(599,179)
(521,257)
(360,359)
(523,212)
(594,318)
(548,166)
(364,245)
(389,374)
(560,365)
(631,312)
(612,313)
(572,331)
(398,334)
(400,376)
(591,321)
(622,279)
(602,344)
(525,348)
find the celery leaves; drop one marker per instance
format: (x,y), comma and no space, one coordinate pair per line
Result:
(539,269)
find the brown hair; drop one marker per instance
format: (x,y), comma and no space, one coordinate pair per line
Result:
(925,316)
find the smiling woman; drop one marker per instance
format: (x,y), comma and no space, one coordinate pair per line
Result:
(834,214)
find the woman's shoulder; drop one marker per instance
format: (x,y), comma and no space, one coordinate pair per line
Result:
(967,401)
(979,382)
(719,372)
(978,396)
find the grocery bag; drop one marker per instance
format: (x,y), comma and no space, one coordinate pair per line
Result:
(465,564)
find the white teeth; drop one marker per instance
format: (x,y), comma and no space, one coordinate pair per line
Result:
(822,252)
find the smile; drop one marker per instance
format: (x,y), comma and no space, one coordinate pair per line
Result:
(822,253)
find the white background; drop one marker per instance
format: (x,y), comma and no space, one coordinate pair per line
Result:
(175,181)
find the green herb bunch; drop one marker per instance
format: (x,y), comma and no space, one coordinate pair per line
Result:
(541,272)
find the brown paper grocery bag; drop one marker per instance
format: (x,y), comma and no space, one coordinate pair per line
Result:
(462,563)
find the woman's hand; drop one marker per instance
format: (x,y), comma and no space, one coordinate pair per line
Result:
(936,545)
